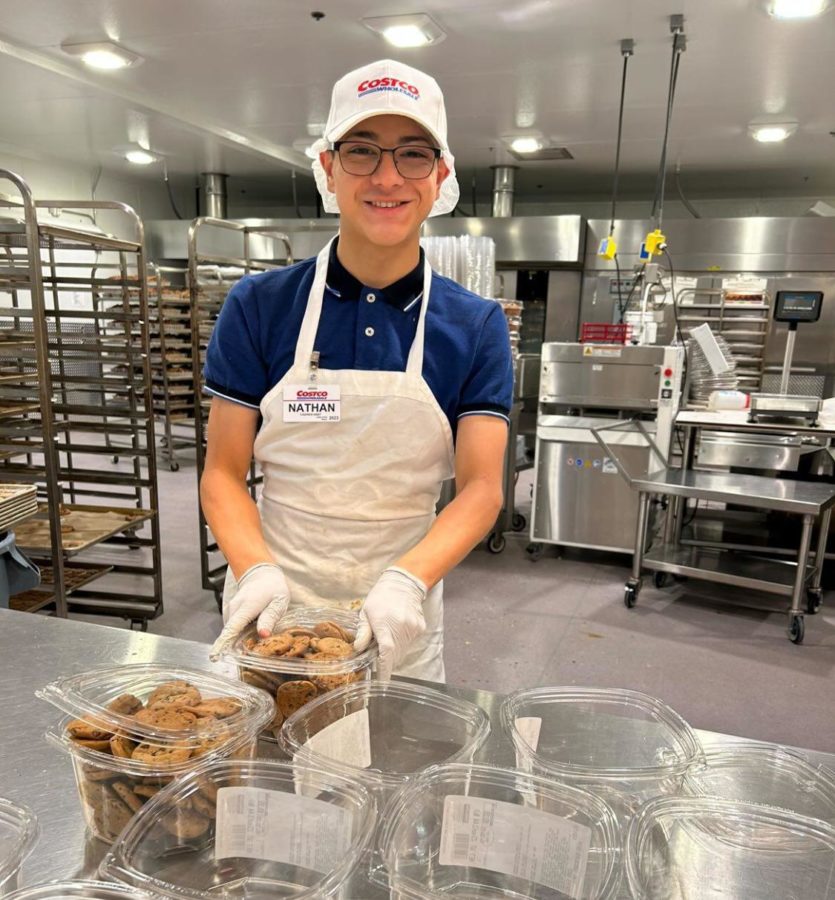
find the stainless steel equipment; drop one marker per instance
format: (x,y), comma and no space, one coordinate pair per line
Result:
(579,500)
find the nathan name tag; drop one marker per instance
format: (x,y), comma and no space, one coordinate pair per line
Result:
(312,403)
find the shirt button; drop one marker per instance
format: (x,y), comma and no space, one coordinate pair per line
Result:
(369,332)
(370,298)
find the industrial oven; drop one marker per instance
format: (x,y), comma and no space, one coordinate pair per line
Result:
(579,498)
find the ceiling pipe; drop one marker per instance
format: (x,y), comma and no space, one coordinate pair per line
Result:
(504,178)
(213,194)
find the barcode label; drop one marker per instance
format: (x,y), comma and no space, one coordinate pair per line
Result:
(515,840)
(281,827)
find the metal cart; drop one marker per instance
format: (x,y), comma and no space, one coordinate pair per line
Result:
(800,580)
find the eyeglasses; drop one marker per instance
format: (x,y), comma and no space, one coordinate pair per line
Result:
(410,160)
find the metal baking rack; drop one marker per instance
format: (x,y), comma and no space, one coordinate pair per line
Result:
(220,253)
(74,326)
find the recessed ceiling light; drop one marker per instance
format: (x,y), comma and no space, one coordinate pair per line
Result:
(796,9)
(771,132)
(141,157)
(526,144)
(103,55)
(417,30)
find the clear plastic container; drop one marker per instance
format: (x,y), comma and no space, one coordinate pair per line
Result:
(271,830)
(481,832)
(382,733)
(765,774)
(131,760)
(88,890)
(309,678)
(18,834)
(626,746)
(702,848)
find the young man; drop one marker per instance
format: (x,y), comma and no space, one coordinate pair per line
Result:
(375,381)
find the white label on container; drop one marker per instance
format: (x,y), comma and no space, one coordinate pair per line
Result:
(515,840)
(348,740)
(529,727)
(281,827)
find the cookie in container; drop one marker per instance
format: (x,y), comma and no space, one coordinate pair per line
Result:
(310,654)
(130,730)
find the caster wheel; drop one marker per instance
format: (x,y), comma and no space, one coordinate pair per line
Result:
(519,522)
(114,459)
(814,600)
(659,579)
(797,629)
(174,467)
(534,552)
(630,597)
(496,543)
(138,624)
(219,601)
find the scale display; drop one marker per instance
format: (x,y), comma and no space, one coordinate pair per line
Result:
(798,306)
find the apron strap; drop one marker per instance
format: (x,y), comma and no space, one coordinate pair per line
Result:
(414,365)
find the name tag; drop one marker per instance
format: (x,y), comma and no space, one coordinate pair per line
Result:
(312,403)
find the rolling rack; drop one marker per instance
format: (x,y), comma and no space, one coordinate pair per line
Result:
(220,253)
(172,372)
(74,345)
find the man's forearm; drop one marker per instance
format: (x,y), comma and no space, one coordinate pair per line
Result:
(459,527)
(233,517)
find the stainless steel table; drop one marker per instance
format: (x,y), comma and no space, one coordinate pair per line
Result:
(36,650)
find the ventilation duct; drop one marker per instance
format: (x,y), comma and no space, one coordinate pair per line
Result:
(213,194)
(504,178)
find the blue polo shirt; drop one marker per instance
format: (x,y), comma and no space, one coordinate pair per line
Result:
(466,362)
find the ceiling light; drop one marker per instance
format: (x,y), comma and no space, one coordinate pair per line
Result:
(103,55)
(771,132)
(526,144)
(796,9)
(140,157)
(418,30)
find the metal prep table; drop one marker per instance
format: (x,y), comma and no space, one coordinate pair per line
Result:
(800,580)
(38,649)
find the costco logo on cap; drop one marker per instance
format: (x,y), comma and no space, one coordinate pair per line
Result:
(376,85)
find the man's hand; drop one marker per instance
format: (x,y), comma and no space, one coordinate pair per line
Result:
(262,594)
(393,614)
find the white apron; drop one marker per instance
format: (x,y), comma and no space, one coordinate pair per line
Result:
(342,501)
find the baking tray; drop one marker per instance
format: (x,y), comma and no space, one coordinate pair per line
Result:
(91,525)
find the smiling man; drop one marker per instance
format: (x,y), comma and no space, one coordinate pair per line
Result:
(374,380)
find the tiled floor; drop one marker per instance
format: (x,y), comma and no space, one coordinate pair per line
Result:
(512,623)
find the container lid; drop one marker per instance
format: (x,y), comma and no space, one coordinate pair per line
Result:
(384,732)
(92,890)
(600,733)
(92,696)
(765,774)
(256,828)
(710,846)
(18,833)
(306,618)
(429,840)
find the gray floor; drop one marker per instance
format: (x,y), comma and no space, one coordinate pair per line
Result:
(511,623)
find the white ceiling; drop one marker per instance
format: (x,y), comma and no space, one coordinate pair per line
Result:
(231,85)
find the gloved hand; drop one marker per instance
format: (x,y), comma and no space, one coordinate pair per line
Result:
(263,594)
(392,613)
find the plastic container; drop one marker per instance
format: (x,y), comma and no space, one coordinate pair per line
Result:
(700,848)
(483,832)
(626,746)
(382,733)
(318,676)
(112,787)
(18,834)
(271,830)
(728,400)
(64,890)
(765,774)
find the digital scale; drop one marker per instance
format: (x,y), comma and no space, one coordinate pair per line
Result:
(792,307)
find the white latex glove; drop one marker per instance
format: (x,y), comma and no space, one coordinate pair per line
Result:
(392,613)
(262,594)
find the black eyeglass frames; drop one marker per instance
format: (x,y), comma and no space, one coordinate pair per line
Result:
(363,158)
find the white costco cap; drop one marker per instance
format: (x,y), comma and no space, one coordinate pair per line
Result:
(383,88)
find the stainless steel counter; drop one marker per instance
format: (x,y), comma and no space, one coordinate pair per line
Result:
(35,651)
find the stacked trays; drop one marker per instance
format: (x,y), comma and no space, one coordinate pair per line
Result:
(131,730)
(17,502)
(702,379)
(18,834)
(273,831)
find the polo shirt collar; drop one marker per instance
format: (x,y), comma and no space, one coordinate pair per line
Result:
(401,294)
